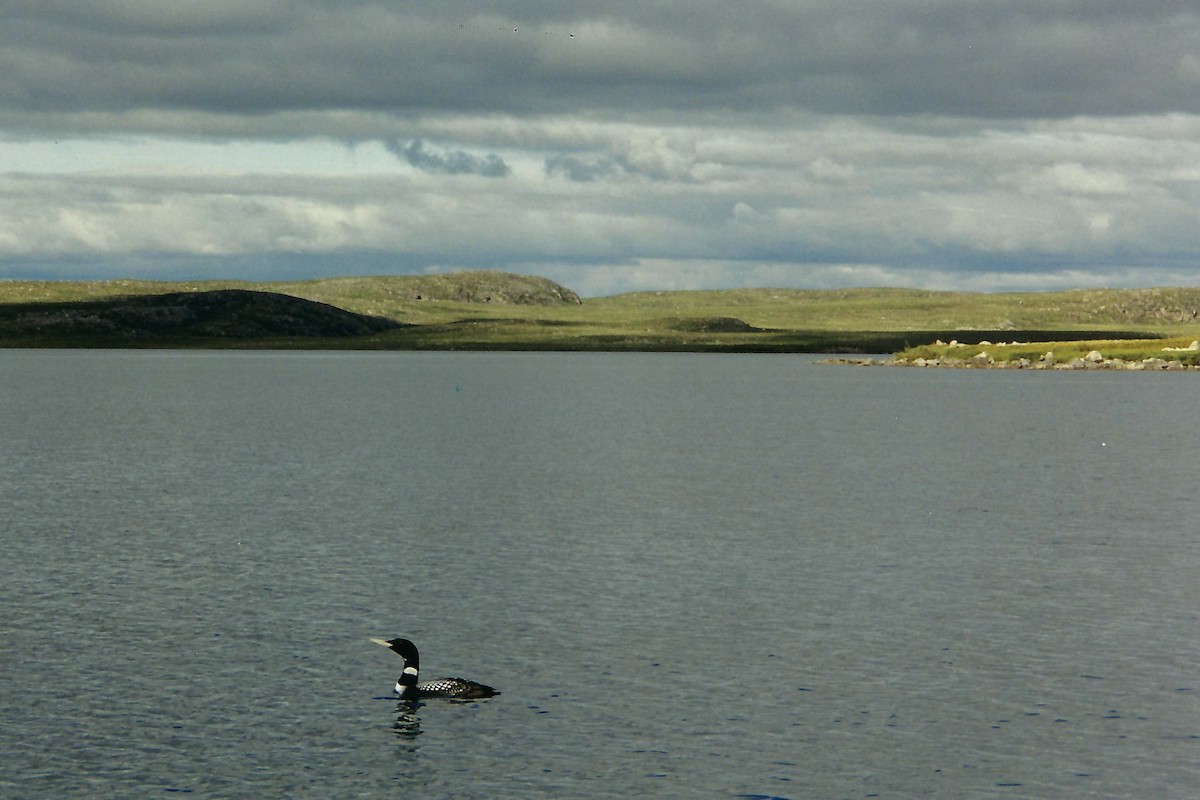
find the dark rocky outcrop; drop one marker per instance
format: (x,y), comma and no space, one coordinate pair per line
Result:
(712,325)
(221,314)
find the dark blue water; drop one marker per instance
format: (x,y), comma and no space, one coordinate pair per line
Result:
(690,576)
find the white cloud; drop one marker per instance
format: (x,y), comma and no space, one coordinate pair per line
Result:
(818,191)
(1074,178)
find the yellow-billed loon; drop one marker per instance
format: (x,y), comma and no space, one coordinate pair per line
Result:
(408,688)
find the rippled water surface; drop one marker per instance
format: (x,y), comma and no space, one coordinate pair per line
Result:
(690,576)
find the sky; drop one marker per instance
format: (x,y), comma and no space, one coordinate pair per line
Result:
(609,145)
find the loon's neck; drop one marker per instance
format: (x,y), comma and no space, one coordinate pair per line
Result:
(406,684)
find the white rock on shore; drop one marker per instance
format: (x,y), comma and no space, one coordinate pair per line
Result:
(1047,362)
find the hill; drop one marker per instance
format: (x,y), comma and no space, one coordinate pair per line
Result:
(374,295)
(180,317)
(493,310)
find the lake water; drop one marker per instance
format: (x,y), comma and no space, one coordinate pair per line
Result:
(690,575)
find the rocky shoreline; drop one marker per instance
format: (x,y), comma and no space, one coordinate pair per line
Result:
(1094,360)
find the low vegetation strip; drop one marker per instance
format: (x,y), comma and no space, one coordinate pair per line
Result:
(497,311)
(1128,355)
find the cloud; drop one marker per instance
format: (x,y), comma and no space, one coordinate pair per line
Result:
(945,204)
(580,169)
(816,142)
(451,162)
(995,60)
(1074,178)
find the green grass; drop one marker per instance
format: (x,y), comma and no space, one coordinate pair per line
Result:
(469,311)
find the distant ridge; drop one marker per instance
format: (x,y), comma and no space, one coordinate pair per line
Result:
(474,286)
(480,286)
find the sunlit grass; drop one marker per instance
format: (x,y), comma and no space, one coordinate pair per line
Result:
(862,320)
(1169,349)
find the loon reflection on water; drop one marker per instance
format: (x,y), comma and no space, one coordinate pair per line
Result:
(408,687)
(408,722)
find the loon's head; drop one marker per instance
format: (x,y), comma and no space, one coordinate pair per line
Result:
(403,648)
(406,684)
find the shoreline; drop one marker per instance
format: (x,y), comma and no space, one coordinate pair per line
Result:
(1092,361)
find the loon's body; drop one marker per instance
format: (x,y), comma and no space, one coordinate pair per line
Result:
(409,689)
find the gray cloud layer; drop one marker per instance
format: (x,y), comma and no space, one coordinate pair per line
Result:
(984,143)
(986,59)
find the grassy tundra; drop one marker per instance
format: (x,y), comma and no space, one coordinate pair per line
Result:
(491,310)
